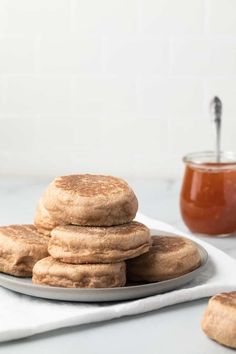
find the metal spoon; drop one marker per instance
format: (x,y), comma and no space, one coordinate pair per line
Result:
(216,110)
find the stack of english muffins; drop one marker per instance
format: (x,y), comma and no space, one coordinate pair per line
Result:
(90,221)
(84,236)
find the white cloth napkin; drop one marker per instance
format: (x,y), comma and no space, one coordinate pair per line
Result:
(22,316)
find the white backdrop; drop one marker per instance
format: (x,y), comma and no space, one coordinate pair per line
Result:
(113,86)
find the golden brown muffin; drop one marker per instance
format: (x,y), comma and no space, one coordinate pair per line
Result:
(45,223)
(169,257)
(87,200)
(80,244)
(219,321)
(21,246)
(50,271)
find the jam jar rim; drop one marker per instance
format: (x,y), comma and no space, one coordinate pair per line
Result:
(208,160)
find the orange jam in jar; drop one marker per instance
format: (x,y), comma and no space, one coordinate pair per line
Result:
(208,195)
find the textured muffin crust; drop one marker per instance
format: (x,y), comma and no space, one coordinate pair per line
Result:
(21,246)
(50,271)
(43,220)
(79,244)
(90,185)
(219,321)
(169,257)
(87,200)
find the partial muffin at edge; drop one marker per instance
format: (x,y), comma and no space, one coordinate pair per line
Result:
(169,257)
(21,246)
(50,271)
(219,321)
(79,244)
(43,220)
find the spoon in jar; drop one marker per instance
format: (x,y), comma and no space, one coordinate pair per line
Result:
(216,110)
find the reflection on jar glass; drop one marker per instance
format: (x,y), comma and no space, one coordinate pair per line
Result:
(208,195)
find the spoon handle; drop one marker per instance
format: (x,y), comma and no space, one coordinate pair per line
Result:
(216,108)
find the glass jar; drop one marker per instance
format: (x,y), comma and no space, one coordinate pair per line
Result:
(208,194)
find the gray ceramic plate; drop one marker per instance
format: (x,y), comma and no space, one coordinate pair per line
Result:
(25,286)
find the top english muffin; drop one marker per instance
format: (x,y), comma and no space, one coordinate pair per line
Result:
(86,200)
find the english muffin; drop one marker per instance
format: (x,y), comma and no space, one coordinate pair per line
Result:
(45,223)
(49,271)
(21,246)
(168,257)
(87,200)
(81,244)
(219,321)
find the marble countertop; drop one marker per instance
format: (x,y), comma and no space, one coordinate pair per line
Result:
(175,329)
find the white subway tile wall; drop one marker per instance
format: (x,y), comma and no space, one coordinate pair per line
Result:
(116,87)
